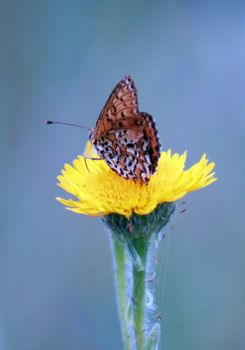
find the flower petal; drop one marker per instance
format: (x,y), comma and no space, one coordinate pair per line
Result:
(100,191)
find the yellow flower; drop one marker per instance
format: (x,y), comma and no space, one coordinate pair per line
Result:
(100,191)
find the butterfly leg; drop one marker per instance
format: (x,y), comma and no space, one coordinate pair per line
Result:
(86,164)
(90,158)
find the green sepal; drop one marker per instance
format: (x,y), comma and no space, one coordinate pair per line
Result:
(139,225)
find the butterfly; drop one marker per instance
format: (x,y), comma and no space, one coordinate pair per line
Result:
(124,137)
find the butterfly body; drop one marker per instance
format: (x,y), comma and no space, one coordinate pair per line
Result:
(126,138)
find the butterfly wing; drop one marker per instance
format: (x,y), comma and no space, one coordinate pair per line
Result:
(126,138)
(122,103)
(133,149)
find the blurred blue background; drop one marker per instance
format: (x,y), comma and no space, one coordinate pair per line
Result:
(60,60)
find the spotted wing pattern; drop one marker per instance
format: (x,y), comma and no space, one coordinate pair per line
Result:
(126,138)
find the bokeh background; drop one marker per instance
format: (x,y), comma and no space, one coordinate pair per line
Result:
(60,60)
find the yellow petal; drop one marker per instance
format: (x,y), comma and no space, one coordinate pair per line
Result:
(98,190)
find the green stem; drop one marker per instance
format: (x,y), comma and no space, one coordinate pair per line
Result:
(135,243)
(133,262)
(139,290)
(121,270)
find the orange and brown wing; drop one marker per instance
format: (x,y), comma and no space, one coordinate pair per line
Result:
(121,104)
(132,149)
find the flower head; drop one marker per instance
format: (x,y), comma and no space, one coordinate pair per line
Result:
(99,191)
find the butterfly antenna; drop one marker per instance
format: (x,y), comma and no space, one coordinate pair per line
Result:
(67,124)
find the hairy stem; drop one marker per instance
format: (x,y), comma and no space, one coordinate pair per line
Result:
(139,291)
(120,262)
(135,243)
